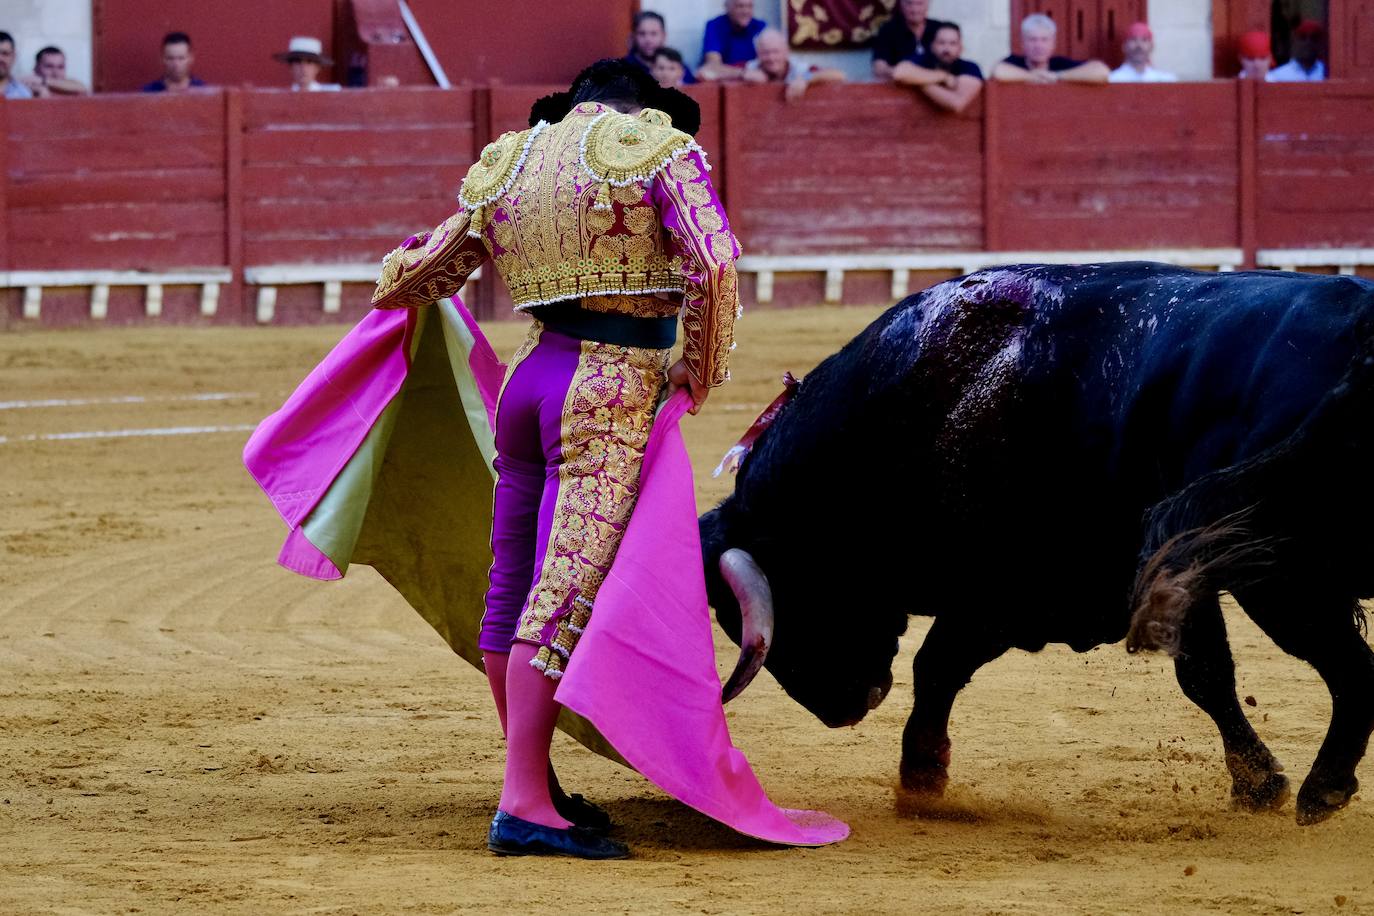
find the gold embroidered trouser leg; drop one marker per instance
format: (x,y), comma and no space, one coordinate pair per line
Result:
(592,478)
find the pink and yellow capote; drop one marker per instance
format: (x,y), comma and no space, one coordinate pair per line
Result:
(384,456)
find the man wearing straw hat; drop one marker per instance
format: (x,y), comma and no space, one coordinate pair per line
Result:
(306,56)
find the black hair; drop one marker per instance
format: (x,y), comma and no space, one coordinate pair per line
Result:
(552,108)
(650,14)
(671,53)
(612,81)
(6,36)
(38,58)
(950,25)
(176,38)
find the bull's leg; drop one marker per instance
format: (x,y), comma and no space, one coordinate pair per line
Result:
(1324,635)
(1207,674)
(945,662)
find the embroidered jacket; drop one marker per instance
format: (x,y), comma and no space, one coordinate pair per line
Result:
(606,207)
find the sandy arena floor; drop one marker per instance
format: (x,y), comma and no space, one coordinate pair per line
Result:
(184,727)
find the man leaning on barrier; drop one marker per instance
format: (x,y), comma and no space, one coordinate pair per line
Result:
(942,74)
(1040,65)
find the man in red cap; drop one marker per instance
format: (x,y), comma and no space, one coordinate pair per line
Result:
(1255,56)
(1306,65)
(1139,47)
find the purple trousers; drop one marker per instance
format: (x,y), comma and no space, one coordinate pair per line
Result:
(572,423)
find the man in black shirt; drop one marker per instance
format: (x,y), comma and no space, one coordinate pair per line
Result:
(1039,63)
(941,74)
(906,35)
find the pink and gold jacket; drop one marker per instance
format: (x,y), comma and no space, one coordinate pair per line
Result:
(612,209)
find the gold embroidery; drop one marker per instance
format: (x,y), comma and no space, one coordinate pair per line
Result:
(641,220)
(697,195)
(684,170)
(712,293)
(707,217)
(554,244)
(607,417)
(722,246)
(493,168)
(431,267)
(599,221)
(620,148)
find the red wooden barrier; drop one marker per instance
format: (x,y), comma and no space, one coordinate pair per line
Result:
(116,183)
(259,178)
(862,168)
(339,178)
(1151,166)
(1316,165)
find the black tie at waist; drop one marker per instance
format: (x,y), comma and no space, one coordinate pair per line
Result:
(570,318)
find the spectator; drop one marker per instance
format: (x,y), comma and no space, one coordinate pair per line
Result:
(1255,56)
(10,87)
(305,55)
(941,73)
(1040,64)
(729,42)
(177,61)
(904,37)
(50,76)
(651,36)
(669,69)
(774,64)
(1139,47)
(1306,65)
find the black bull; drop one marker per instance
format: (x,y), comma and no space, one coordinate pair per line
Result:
(1074,455)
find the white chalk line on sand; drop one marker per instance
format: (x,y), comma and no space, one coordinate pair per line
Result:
(129,433)
(126,399)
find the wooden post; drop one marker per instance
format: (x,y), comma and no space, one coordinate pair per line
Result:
(484,305)
(1247,209)
(233,198)
(4,186)
(992,191)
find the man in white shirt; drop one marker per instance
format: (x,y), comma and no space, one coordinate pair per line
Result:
(1305,66)
(1139,47)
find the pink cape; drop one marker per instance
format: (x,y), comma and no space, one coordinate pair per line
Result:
(382,456)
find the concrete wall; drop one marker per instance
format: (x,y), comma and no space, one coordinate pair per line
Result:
(1183,37)
(63,23)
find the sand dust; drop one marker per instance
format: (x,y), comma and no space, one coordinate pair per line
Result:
(186,727)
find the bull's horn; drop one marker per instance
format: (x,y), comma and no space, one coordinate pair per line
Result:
(742,573)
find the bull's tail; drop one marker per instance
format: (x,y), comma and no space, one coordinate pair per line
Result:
(1187,568)
(1224,530)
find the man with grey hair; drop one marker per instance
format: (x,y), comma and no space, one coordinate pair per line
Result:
(1039,64)
(773,63)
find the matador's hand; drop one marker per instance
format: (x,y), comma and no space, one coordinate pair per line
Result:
(680,377)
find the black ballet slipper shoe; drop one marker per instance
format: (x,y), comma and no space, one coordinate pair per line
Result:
(512,836)
(589,816)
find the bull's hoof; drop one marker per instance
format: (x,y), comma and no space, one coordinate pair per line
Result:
(928,781)
(1257,780)
(1268,795)
(920,793)
(1318,800)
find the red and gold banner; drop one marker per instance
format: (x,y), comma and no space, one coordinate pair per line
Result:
(833,24)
